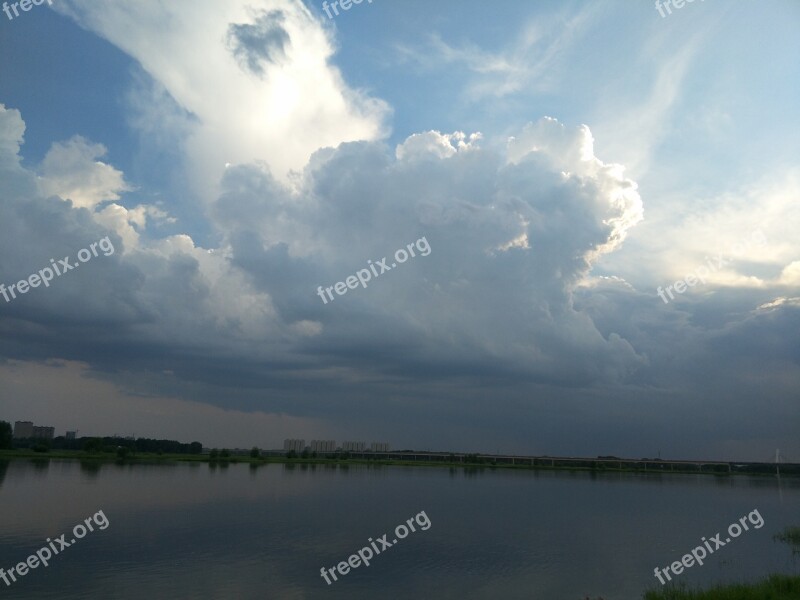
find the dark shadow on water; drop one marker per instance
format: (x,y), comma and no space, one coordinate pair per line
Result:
(473,471)
(40,465)
(3,468)
(91,468)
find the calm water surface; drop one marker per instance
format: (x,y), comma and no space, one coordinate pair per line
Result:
(196,531)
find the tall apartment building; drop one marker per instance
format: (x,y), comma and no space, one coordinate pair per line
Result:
(296,445)
(43,433)
(71,435)
(379,446)
(23,429)
(354,446)
(323,446)
(26,429)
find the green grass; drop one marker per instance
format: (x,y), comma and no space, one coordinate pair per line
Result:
(775,587)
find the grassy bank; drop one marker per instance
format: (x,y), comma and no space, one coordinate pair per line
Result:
(775,587)
(169,457)
(344,462)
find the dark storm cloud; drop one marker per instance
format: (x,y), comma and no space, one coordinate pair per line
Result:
(502,313)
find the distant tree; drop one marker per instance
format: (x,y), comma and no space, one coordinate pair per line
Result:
(123,452)
(41,447)
(291,454)
(5,436)
(305,453)
(93,445)
(195,448)
(214,454)
(255,452)
(225,453)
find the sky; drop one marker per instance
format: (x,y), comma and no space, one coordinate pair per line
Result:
(588,210)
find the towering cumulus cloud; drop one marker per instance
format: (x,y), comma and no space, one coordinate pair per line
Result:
(514,233)
(298,188)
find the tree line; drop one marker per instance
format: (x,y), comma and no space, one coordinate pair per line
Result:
(97,444)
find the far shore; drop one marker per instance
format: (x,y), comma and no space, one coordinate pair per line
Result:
(471,461)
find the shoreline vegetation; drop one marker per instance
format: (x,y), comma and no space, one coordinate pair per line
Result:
(407,458)
(778,587)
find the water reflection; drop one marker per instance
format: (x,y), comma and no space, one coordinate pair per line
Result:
(471,472)
(91,468)
(497,533)
(40,465)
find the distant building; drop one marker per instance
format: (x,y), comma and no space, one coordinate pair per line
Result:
(296,445)
(26,429)
(71,435)
(23,429)
(43,433)
(354,446)
(379,446)
(323,446)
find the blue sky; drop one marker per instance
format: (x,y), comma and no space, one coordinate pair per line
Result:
(563,159)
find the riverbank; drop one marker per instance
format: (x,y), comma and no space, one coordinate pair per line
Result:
(783,587)
(471,462)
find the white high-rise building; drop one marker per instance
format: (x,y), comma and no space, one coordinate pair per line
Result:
(379,446)
(323,446)
(353,446)
(296,445)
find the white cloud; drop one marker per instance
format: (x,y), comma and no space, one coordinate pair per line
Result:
(531,61)
(519,231)
(253,77)
(433,144)
(71,171)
